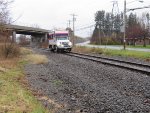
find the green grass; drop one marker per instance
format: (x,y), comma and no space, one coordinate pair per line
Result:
(128,53)
(14,98)
(110,52)
(14,94)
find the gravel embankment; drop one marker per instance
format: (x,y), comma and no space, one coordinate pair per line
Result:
(83,86)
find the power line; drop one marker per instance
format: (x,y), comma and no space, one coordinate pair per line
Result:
(73,19)
(86,25)
(83,28)
(145,7)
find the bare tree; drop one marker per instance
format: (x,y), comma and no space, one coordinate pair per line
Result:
(4,12)
(8,47)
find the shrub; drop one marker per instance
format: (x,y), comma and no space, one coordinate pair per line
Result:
(9,50)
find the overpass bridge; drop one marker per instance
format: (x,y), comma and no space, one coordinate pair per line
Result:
(37,34)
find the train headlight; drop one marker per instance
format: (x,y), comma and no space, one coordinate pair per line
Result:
(70,44)
(59,44)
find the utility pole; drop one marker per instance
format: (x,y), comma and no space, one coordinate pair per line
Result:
(68,24)
(124,26)
(115,8)
(74,19)
(115,13)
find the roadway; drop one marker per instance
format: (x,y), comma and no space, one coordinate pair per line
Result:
(86,44)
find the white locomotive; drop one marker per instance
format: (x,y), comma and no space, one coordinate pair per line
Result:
(59,41)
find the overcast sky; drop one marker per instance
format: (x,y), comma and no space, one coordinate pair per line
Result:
(49,14)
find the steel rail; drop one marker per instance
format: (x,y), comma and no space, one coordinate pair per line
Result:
(143,68)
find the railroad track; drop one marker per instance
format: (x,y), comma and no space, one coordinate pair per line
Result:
(139,67)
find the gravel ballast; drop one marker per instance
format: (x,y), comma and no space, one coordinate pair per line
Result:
(83,86)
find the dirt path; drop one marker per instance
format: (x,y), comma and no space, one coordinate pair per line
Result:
(73,85)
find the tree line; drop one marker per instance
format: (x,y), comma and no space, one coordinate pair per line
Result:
(109,28)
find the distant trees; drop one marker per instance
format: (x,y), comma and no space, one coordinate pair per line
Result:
(108,28)
(137,28)
(133,28)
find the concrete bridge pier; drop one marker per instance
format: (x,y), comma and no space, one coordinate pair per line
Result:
(14,36)
(46,37)
(37,40)
(44,41)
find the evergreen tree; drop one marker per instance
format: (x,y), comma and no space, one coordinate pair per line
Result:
(132,20)
(108,24)
(100,19)
(117,24)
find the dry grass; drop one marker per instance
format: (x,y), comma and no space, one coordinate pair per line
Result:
(33,58)
(8,63)
(37,59)
(82,49)
(25,51)
(11,61)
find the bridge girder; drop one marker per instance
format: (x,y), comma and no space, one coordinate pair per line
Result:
(36,32)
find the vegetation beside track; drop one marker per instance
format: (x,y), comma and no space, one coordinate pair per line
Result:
(110,52)
(14,94)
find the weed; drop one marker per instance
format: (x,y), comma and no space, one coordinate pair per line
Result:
(57,83)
